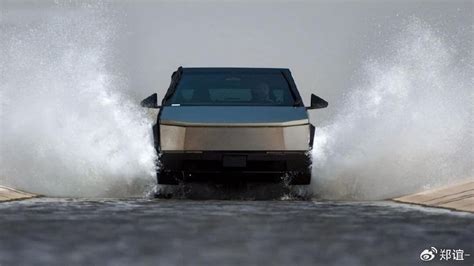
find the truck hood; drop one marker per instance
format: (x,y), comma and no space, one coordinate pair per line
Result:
(233,115)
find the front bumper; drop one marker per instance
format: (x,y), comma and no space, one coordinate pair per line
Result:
(235,166)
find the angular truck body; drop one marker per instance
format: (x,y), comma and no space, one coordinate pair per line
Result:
(233,125)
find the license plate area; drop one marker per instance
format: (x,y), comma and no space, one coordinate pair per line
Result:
(234,161)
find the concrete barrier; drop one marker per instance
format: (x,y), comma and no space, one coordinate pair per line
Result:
(9,194)
(457,197)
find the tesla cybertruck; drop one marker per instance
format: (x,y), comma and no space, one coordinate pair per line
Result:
(233,125)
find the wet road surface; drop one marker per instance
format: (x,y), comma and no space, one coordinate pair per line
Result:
(47,231)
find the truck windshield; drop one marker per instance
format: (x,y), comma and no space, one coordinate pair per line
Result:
(217,88)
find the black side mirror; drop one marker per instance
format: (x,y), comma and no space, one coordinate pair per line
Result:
(317,102)
(150,101)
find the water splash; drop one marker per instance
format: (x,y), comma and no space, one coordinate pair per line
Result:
(66,128)
(408,126)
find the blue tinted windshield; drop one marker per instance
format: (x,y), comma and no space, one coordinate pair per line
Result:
(227,88)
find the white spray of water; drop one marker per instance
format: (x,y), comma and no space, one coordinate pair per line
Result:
(408,126)
(66,130)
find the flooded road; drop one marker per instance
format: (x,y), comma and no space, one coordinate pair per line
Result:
(47,231)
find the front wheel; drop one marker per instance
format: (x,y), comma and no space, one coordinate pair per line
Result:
(299,178)
(165,177)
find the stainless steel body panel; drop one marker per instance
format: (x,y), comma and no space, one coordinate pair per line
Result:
(234,138)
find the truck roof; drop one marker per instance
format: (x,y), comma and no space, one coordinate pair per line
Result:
(233,69)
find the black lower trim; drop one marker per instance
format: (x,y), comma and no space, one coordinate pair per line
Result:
(223,167)
(311,135)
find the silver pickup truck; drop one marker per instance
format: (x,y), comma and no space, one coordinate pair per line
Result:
(233,125)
